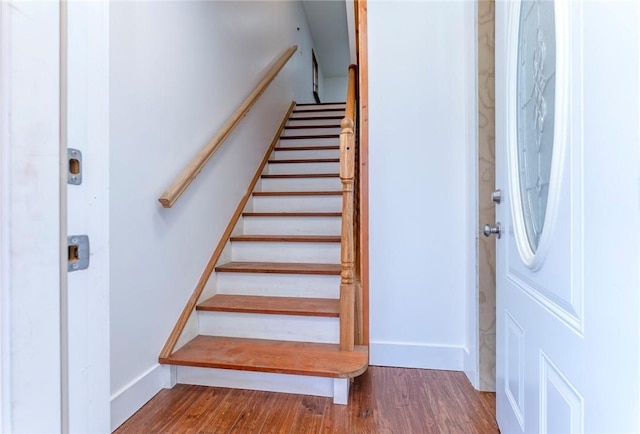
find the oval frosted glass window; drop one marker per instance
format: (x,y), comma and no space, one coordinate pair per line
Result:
(535,101)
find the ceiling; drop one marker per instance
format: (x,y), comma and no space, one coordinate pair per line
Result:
(328,25)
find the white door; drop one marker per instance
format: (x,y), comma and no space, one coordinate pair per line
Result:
(568,262)
(87,131)
(30,250)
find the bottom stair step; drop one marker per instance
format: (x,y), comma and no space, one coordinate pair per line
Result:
(262,355)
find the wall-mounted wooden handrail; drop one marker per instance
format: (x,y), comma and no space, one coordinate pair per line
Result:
(175,190)
(348,314)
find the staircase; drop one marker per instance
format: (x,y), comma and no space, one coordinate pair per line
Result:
(270,318)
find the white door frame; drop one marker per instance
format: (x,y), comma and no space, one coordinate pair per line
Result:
(4,220)
(86,121)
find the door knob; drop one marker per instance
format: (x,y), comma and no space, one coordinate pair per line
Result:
(496,196)
(489,230)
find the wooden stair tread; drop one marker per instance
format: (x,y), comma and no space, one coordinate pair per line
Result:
(310,126)
(297,193)
(280,268)
(305,160)
(311,136)
(292,214)
(307,148)
(319,103)
(289,238)
(301,175)
(314,118)
(263,355)
(319,111)
(324,307)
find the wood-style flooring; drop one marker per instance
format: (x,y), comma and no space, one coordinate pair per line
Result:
(383,400)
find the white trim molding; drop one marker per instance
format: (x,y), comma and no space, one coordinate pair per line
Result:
(129,399)
(417,355)
(5,420)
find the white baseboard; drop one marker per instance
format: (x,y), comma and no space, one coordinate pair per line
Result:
(471,368)
(134,395)
(422,356)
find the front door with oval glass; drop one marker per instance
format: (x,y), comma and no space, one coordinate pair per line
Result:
(557,359)
(539,301)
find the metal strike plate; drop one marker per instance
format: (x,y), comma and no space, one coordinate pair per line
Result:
(496,196)
(78,251)
(74,172)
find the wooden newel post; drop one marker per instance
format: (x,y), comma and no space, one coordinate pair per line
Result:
(347,259)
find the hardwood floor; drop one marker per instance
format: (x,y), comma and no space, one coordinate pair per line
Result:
(383,400)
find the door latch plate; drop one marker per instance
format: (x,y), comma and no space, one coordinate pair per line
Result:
(78,251)
(74,170)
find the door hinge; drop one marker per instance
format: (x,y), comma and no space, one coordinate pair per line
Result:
(78,251)
(74,173)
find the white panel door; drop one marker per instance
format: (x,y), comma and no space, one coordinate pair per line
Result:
(567,261)
(30,250)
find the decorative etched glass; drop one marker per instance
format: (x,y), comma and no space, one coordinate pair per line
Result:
(535,111)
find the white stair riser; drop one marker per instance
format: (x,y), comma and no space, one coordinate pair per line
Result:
(301,184)
(310,131)
(338,388)
(309,142)
(292,225)
(279,285)
(276,327)
(297,203)
(330,105)
(295,122)
(294,168)
(249,251)
(305,154)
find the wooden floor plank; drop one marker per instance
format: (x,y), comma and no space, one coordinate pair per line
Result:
(255,413)
(279,268)
(336,419)
(234,410)
(281,415)
(308,415)
(323,307)
(382,401)
(264,355)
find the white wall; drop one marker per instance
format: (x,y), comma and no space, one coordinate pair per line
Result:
(178,70)
(420,68)
(335,89)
